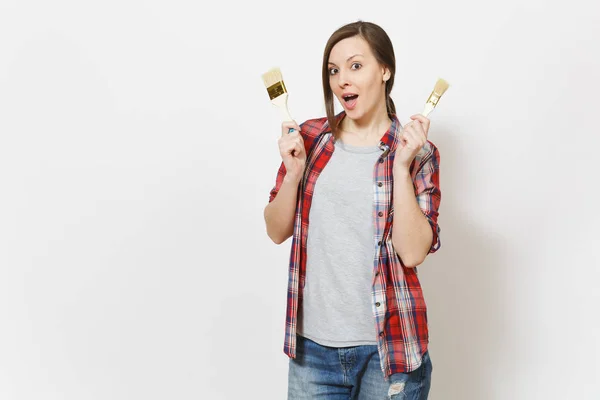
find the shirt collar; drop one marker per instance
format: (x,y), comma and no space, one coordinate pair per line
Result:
(391,137)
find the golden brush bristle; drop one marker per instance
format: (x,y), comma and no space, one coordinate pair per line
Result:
(272,76)
(440,88)
(273,80)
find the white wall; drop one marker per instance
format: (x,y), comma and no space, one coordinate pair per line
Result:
(138,147)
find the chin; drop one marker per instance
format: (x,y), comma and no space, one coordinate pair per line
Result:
(354,114)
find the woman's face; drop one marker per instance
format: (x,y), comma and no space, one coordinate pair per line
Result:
(356,78)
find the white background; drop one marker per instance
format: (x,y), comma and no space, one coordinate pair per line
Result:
(138,147)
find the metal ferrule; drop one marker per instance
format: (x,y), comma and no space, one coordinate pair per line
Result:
(276,90)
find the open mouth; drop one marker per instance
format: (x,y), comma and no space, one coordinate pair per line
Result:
(350,101)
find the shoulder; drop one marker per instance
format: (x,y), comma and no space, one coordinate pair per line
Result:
(312,128)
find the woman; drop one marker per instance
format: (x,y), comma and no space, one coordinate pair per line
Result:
(356,317)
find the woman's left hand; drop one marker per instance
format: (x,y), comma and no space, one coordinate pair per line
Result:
(412,139)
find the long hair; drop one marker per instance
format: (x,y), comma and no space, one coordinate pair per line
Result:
(382,49)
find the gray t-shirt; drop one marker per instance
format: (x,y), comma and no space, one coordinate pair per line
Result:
(336,308)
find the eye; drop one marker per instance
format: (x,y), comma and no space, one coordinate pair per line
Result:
(332,71)
(356,66)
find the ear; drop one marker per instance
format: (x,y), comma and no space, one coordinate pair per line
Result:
(386,74)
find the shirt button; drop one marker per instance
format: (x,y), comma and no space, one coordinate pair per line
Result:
(377,304)
(380,184)
(377,273)
(381,160)
(381,334)
(380,214)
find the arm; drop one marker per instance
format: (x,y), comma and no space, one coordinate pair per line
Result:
(415,232)
(279,213)
(412,233)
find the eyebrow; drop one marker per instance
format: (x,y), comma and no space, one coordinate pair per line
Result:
(348,59)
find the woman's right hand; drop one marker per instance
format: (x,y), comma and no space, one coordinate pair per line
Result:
(292,151)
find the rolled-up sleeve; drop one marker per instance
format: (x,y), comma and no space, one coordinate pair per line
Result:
(278,182)
(428,193)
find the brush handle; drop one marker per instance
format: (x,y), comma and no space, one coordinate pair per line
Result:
(285,113)
(428,109)
(281,103)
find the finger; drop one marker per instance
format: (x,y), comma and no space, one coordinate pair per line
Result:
(289,127)
(287,142)
(426,122)
(290,141)
(422,135)
(405,130)
(418,128)
(295,130)
(290,124)
(414,139)
(409,138)
(410,128)
(296,140)
(286,148)
(418,140)
(293,151)
(420,131)
(403,138)
(421,118)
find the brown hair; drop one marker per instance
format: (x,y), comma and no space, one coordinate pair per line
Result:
(382,49)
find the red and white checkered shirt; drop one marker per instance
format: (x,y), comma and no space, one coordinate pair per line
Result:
(399,310)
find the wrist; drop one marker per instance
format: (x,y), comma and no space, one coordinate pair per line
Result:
(292,178)
(401,171)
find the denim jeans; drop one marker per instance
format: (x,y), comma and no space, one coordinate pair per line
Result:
(320,372)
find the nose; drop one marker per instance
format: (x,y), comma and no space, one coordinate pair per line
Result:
(342,79)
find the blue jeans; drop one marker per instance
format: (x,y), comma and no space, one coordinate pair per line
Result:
(320,372)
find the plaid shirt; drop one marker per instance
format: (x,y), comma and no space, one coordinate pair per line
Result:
(399,309)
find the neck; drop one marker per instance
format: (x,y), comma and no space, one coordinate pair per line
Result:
(372,125)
